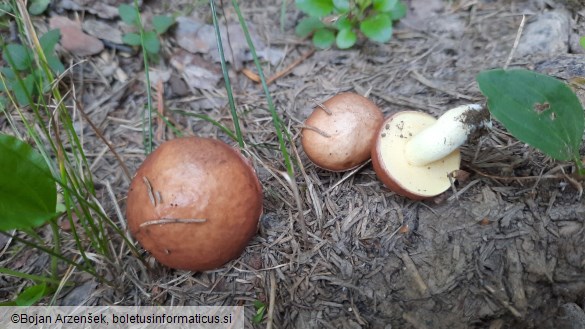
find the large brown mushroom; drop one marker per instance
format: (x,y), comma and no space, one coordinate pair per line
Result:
(194,203)
(340,133)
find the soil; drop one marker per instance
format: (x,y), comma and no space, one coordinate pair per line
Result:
(502,249)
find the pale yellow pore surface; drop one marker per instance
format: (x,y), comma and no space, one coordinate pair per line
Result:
(428,180)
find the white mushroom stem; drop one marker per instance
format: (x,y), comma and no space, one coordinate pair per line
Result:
(446,135)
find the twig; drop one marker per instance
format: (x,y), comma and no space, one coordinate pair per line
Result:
(295,190)
(158,197)
(289,68)
(346,176)
(573,182)
(8,242)
(116,205)
(315,129)
(356,312)
(70,270)
(254,77)
(173,221)
(149,188)
(491,292)
(516,42)
(251,75)
(120,217)
(323,107)
(160,107)
(458,193)
(414,274)
(271,301)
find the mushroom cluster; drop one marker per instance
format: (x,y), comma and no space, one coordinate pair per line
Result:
(194,203)
(412,153)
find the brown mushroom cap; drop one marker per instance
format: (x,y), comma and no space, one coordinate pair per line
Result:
(190,179)
(350,127)
(392,167)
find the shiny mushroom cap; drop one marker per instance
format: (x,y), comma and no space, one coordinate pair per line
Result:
(194,203)
(340,133)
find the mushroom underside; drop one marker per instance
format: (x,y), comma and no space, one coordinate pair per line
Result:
(393,167)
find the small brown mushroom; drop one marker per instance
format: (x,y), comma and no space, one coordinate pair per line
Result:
(340,133)
(194,203)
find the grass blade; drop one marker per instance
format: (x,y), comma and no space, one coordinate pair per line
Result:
(224,69)
(275,118)
(278,127)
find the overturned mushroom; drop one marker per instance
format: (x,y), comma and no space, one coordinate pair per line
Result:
(414,153)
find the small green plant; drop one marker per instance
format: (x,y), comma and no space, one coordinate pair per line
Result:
(30,296)
(582,42)
(148,40)
(160,24)
(537,109)
(260,308)
(340,21)
(22,76)
(48,177)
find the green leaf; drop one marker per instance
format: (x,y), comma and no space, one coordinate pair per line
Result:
(343,23)
(323,38)
(24,91)
(19,56)
(537,109)
(377,28)
(28,194)
(38,7)
(582,42)
(258,304)
(162,23)
(399,11)
(129,14)
(316,8)
(5,9)
(307,26)
(346,38)
(342,6)
(132,39)
(55,64)
(151,43)
(363,4)
(32,295)
(49,40)
(8,73)
(384,6)
(260,310)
